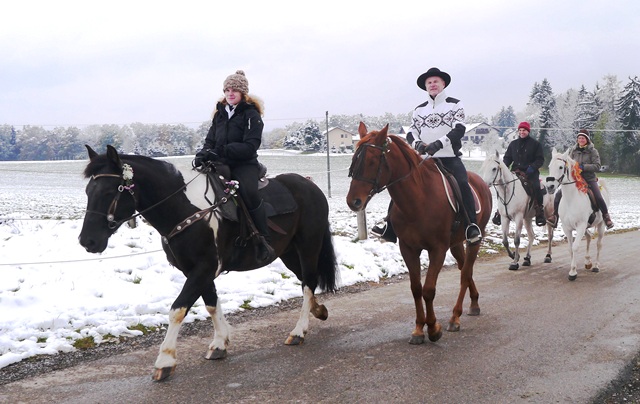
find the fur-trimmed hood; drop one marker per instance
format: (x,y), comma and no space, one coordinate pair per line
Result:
(248,99)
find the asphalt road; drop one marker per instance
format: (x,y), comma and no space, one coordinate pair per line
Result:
(539,339)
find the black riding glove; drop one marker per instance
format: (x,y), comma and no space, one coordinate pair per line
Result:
(433,147)
(420,147)
(204,156)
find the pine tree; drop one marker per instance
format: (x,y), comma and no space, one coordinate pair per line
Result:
(543,98)
(628,113)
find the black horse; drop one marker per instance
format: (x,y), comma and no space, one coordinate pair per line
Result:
(200,242)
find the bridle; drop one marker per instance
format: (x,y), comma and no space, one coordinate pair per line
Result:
(355,170)
(504,184)
(127,184)
(565,173)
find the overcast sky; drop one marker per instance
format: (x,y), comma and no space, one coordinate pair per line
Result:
(83,62)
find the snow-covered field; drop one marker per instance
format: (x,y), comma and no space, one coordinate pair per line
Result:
(52,292)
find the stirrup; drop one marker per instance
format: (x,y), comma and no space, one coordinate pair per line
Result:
(475,239)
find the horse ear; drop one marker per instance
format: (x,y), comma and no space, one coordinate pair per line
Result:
(385,129)
(362,129)
(92,153)
(112,155)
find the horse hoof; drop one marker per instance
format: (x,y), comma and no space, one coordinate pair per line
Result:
(453,327)
(214,354)
(416,339)
(526,263)
(294,340)
(595,269)
(588,266)
(320,312)
(547,259)
(514,267)
(162,374)
(435,336)
(473,311)
(573,277)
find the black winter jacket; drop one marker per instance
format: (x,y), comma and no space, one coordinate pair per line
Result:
(524,153)
(236,140)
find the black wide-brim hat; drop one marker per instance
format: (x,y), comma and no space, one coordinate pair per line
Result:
(434,71)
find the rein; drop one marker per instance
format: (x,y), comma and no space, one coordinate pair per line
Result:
(127,184)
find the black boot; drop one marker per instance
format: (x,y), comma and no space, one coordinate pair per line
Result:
(385,233)
(265,253)
(540,219)
(496,218)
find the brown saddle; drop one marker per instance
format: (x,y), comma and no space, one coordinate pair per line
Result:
(454,195)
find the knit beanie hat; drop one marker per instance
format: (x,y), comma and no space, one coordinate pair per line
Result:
(525,125)
(237,81)
(585,133)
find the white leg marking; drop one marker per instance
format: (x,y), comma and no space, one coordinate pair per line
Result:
(302,326)
(221,329)
(167,355)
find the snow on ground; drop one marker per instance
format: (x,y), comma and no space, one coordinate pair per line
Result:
(52,292)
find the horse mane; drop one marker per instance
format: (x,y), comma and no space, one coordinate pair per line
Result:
(161,168)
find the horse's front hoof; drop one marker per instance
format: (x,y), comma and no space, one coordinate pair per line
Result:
(416,339)
(573,277)
(453,327)
(595,269)
(162,374)
(526,262)
(320,312)
(514,267)
(294,340)
(214,354)
(473,311)
(547,259)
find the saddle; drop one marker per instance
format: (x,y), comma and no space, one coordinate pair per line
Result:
(277,198)
(454,195)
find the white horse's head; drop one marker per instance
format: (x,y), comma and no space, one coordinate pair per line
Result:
(559,171)
(493,170)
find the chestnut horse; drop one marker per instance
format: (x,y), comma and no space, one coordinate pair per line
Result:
(422,218)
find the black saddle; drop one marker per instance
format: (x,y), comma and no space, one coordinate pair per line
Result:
(277,198)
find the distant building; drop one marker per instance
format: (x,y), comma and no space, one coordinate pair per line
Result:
(476,132)
(340,140)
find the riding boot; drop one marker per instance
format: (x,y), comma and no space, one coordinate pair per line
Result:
(540,219)
(265,253)
(496,218)
(607,220)
(385,232)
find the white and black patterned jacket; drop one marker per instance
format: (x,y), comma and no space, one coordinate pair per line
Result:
(440,119)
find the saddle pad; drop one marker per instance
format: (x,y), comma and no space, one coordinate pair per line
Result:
(451,197)
(277,198)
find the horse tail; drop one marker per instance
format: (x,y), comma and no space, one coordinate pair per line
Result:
(327,264)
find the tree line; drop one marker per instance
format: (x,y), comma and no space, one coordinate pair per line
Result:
(609,110)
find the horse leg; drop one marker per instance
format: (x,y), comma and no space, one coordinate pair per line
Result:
(547,258)
(601,228)
(296,336)
(412,260)
(574,244)
(516,244)
(466,282)
(458,253)
(436,260)
(166,361)
(587,256)
(530,236)
(221,329)
(505,237)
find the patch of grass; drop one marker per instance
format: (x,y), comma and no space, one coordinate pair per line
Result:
(137,280)
(349,266)
(84,343)
(143,328)
(246,305)
(284,276)
(41,340)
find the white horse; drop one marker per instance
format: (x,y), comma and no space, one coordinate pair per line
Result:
(575,208)
(514,204)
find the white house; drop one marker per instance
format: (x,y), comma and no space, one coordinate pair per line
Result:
(476,132)
(340,139)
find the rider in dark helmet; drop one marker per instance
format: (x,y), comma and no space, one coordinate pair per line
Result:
(234,138)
